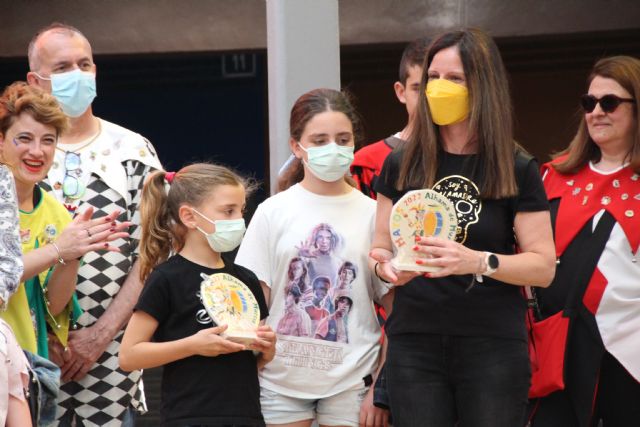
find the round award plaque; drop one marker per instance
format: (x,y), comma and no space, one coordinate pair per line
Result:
(230,302)
(419,213)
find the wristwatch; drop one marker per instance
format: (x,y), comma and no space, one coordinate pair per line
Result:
(492,262)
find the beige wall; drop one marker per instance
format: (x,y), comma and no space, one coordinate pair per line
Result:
(365,21)
(137,26)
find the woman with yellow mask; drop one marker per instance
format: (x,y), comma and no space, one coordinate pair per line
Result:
(457,338)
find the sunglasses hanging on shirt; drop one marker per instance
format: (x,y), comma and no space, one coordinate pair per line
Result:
(71,185)
(608,103)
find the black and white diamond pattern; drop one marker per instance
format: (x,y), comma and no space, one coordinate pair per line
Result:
(101,398)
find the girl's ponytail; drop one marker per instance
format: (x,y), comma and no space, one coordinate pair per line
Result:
(157,236)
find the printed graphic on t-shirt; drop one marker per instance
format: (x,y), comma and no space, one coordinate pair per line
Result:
(202,316)
(465,196)
(318,292)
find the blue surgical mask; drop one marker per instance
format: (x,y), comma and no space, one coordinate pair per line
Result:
(228,234)
(75,90)
(329,162)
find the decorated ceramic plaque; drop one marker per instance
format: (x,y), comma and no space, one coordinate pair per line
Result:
(419,213)
(230,302)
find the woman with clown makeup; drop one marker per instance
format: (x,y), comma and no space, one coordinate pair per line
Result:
(52,242)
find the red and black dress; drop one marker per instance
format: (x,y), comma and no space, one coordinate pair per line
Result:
(602,360)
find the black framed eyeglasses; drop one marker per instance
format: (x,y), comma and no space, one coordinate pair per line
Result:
(71,185)
(608,103)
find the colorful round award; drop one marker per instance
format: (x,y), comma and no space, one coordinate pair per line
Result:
(419,213)
(230,302)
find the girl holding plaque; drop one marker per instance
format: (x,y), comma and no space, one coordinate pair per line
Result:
(457,338)
(207,379)
(326,223)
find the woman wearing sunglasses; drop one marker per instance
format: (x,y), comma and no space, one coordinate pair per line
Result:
(594,191)
(52,243)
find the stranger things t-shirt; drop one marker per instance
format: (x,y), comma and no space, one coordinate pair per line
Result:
(198,389)
(311,251)
(443,306)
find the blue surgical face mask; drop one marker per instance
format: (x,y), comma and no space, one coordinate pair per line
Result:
(75,90)
(228,234)
(329,162)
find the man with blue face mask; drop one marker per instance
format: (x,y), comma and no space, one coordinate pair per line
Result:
(99,164)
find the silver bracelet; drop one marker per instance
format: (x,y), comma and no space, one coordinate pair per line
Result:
(60,260)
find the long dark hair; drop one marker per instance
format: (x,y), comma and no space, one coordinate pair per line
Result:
(490,120)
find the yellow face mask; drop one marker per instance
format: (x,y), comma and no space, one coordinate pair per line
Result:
(448,101)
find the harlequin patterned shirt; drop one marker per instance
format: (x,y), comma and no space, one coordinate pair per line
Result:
(112,168)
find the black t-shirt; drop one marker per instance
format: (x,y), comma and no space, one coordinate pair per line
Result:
(198,389)
(442,306)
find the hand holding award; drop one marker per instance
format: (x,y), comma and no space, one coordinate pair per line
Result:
(419,213)
(230,302)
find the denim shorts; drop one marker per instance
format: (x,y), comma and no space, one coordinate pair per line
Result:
(341,409)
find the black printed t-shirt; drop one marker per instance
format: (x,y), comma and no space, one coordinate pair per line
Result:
(441,306)
(200,390)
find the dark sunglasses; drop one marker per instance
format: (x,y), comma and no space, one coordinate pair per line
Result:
(608,103)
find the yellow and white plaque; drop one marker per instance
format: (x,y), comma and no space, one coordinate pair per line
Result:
(419,213)
(230,302)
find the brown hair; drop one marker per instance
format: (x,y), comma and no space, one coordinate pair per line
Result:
(19,98)
(162,230)
(625,70)
(412,55)
(490,120)
(68,30)
(305,108)
(348,265)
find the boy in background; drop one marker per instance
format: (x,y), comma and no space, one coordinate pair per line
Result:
(368,160)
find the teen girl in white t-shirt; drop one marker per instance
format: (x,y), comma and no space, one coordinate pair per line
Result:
(326,222)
